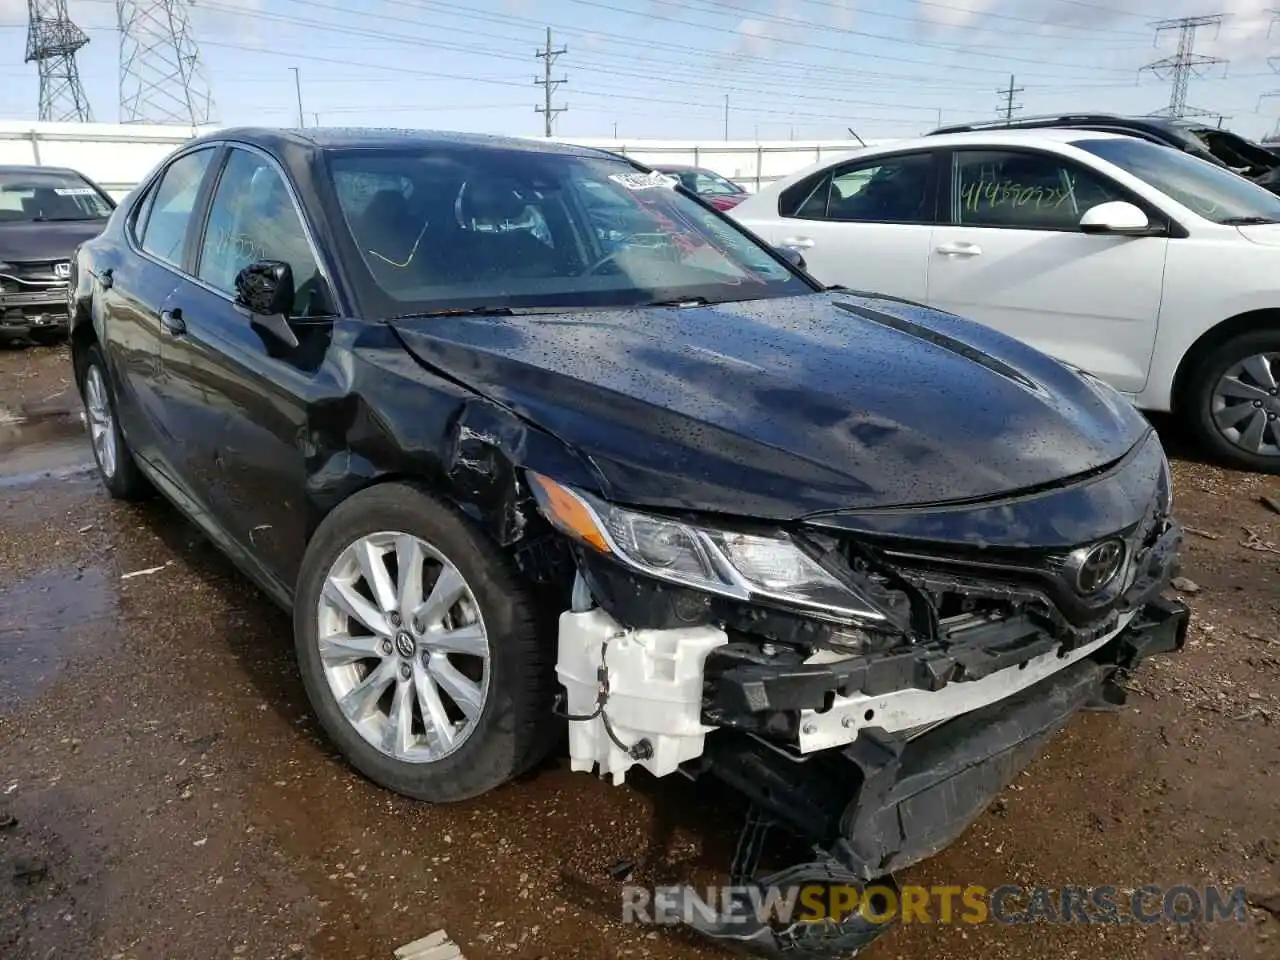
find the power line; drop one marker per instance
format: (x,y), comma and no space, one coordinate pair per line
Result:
(1009,107)
(735,11)
(967,9)
(1184,64)
(698,56)
(1274,64)
(52,43)
(548,57)
(757,95)
(844,52)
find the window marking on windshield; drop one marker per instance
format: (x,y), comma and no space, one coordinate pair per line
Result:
(644,181)
(75,191)
(413,251)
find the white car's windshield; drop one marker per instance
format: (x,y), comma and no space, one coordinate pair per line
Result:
(465,227)
(1215,193)
(39,195)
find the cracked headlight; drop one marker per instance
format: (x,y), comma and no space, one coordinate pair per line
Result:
(739,565)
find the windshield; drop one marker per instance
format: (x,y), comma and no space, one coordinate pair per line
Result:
(36,195)
(467,227)
(1235,151)
(706,183)
(1215,193)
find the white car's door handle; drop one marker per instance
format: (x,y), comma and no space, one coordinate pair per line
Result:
(800,243)
(959,249)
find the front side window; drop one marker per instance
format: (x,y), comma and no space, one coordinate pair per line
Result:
(252,218)
(1213,192)
(169,204)
(888,190)
(1023,190)
(34,196)
(466,226)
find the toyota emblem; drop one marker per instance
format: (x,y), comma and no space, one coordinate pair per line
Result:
(1092,568)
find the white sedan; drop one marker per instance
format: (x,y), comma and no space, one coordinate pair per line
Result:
(1153,270)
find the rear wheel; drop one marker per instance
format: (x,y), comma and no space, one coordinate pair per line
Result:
(119,473)
(418,647)
(1233,401)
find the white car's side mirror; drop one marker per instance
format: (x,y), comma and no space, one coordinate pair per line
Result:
(1116,216)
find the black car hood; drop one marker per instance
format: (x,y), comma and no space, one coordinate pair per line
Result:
(786,407)
(48,240)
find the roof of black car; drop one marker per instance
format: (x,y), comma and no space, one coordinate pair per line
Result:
(1148,123)
(32,168)
(346,138)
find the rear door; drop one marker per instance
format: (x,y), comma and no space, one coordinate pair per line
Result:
(141,291)
(864,224)
(1011,255)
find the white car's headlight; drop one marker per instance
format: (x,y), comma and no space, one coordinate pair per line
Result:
(739,565)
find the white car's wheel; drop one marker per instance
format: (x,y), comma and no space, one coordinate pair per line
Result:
(1233,401)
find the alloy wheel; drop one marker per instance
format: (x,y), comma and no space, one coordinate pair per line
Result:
(102,427)
(403,646)
(1246,404)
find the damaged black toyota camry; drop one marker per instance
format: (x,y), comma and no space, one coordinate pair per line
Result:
(528,437)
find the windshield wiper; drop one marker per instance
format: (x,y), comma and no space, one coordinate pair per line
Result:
(1247,221)
(459,312)
(680,302)
(62,219)
(494,311)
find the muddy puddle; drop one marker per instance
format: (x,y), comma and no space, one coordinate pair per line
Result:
(51,621)
(45,447)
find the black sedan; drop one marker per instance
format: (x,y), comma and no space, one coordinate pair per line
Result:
(853,556)
(45,213)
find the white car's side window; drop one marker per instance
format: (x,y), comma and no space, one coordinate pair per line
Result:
(897,189)
(1022,190)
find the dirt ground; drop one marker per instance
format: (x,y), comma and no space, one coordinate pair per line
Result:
(165,793)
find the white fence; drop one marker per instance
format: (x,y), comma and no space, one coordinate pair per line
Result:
(749,163)
(117,156)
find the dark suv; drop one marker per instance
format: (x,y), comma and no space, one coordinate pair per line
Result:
(1217,146)
(45,213)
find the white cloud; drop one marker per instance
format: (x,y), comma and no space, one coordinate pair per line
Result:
(844,14)
(753,36)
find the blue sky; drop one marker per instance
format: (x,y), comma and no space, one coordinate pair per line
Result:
(657,68)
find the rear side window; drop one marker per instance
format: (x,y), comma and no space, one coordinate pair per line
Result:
(168,207)
(884,190)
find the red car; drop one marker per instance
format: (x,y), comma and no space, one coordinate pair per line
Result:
(721,193)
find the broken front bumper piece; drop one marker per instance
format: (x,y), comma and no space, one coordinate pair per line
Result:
(869,797)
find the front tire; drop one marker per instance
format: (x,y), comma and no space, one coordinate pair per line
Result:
(1233,401)
(116,466)
(419,649)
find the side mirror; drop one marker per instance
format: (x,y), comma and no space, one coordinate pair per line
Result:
(1116,216)
(792,256)
(266,290)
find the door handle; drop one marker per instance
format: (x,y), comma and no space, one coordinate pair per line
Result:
(800,243)
(958,249)
(172,321)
